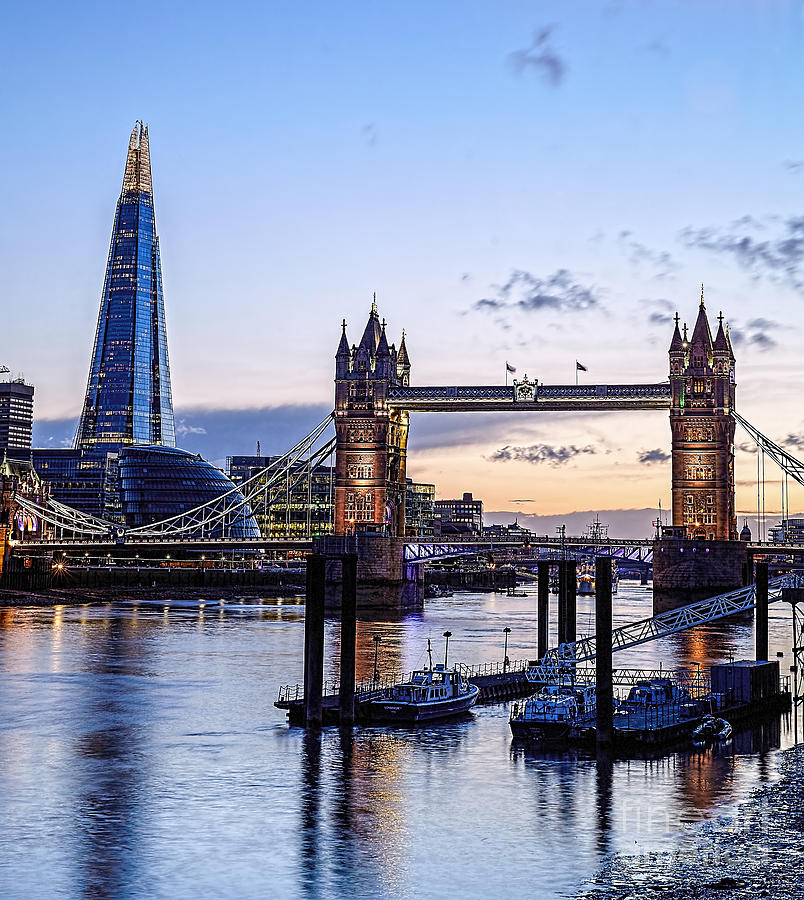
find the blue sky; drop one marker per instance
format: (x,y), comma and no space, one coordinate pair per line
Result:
(308,154)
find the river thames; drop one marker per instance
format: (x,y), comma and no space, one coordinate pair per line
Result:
(142,757)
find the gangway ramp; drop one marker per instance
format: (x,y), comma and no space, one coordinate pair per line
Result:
(720,607)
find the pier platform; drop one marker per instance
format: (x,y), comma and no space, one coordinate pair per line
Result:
(496,682)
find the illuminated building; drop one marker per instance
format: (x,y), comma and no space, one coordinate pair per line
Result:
(16,414)
(123,466)
(420,509)
(464,516)
(128,398)
(310,508)
(702,382)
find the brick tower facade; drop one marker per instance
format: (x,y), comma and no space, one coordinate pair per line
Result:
(371,439)
(703,388)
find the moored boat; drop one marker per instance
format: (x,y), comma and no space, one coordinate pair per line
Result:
(654,692)
(550,716)
(711,728)
(434,693)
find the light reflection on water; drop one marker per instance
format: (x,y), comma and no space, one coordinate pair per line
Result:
(142,757)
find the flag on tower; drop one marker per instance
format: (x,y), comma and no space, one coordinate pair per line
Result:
(509,367)
(579,367)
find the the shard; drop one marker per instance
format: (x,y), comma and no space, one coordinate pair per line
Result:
(128,398)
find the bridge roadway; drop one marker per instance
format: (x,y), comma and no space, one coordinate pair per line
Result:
(531,397)
(416,551)
(162,546)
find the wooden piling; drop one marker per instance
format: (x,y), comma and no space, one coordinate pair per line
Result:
(562,602)
(571,602)
(761,617)
(604,689)
(543,605)
(346,691)
(314,640)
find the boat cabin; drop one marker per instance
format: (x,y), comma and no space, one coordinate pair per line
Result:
(655,691)
(427,685)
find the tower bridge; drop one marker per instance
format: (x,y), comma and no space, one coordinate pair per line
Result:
(374,397)
(371,418)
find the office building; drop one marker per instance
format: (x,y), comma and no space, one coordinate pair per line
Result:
(16,414)
(788,531)
(311,505)
(460,517)
(128,398)
(420,512)
(121,467)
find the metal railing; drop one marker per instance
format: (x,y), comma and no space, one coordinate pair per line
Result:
(492,668)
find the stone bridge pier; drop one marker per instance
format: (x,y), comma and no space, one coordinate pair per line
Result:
(384,579)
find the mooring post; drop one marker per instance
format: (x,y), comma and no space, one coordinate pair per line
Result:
(571,602)
(346,693)
(562,602)
(761,618)
(314,640)
(604,690)
(543,605)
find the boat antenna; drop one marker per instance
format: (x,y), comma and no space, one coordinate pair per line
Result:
(430,654)
(447,635)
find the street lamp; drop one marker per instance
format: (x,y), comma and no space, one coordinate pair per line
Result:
(376,640)
(506,632)
(447,635)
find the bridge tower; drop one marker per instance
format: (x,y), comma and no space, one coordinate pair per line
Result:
(703,387)
(371,439)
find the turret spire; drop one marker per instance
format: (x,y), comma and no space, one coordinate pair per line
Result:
(721,341)
(701,335)
(676,344)
(343,346)
(371,336)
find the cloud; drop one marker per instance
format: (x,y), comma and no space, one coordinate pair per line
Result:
(540,58)
(434,431)
(640,254)
(648,457)
(771,248)
(217,433)
(658,46)
(529,293)
(755,333)
(747,447)
(661,314)
(540,453)
(794,440)
(794,166)
(369,133)
(182,429)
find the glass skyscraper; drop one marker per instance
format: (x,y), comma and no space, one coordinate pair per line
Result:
(128,398)
(124,465)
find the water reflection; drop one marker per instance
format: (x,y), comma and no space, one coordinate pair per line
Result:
(142,757)
(603,793)
(310,811)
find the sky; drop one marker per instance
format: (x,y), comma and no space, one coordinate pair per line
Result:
(536,182)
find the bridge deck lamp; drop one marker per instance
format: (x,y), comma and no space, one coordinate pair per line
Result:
(506,663)
(447,635)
